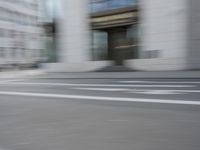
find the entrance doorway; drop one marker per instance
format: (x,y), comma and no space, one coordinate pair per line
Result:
(115,43)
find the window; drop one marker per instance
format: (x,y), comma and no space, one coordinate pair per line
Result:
(99,45)
(102,5)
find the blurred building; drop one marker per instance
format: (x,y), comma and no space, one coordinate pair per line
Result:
(95,34)
(139,34)
(49,19)
(20,33)
(114,26)
(170,35)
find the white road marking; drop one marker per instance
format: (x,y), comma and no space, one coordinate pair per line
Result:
(156,92)
(141,100)
(162,82)
(102,89)
(94,85)
(170,91)
(135,81)
(140,91)
(12,80)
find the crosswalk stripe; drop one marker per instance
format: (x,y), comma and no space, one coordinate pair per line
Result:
(12,80)
(96,85)
(161,82)
(140,91)
(84,97)
(135,81)
(156,92)
(102,89)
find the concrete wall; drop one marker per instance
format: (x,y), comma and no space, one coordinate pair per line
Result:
(194,36)
(163,28)
(74,32)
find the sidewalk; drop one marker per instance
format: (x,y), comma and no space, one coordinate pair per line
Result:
(121,75)
(39,73)
(10,74)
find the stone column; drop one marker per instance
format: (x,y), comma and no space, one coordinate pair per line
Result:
(164,34)
(74,39)
(74,32)
(194,34)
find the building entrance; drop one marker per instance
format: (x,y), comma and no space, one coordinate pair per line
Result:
(116,44)
(115,34)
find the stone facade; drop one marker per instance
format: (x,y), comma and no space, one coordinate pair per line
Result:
(20,33)
(171,28)
(168,31)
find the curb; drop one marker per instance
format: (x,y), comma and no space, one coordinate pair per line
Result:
(21,74)
(124,75)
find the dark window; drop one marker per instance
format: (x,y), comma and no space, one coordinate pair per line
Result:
(102,5)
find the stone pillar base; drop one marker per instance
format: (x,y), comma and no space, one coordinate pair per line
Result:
(75,67)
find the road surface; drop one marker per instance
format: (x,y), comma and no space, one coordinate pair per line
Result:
(99,114)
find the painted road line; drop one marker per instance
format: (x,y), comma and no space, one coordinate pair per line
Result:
(135,81)
(153,92)
(156,92)
(140,91)
(162,82)
(102,89)
(84,97)
(95,85)
(179,91)
(12,80)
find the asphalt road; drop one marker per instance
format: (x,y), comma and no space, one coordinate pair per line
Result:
(100,114)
